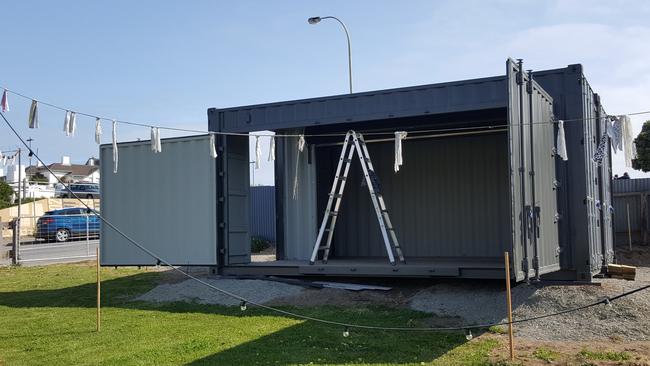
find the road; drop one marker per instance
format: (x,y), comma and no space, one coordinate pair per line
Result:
(50,253)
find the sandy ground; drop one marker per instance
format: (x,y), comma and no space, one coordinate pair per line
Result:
(457,303)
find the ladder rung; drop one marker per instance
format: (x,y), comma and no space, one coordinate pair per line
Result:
(333,213)
(336,195)
(322,248)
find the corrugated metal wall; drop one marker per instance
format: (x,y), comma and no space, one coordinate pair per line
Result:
(585,245)
(299,213)
(166,202)
(262,212)
(631,196)
(450,198)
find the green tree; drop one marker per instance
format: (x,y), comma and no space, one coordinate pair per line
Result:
(642,143)
(5,194)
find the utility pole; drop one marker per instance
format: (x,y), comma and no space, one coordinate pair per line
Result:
(20,201)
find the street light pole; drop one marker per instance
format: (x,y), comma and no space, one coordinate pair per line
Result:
(316,20)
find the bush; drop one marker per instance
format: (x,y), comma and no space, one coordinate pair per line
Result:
(259,244)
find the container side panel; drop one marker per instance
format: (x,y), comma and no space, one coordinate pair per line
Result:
(166,202)
(449,200)
(299,213)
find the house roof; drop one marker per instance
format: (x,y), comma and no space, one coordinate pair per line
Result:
(73,169)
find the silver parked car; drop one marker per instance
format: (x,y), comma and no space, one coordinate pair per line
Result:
(81,190)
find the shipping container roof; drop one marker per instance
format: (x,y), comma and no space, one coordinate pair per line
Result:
(442,98)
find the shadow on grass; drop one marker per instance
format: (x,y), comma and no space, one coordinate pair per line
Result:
(297,344)
(308,343)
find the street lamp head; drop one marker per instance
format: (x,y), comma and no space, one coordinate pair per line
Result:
(314,20)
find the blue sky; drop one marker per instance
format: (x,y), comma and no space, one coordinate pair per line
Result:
(166,63)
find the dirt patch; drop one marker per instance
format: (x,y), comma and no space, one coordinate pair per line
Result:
(611,351)
(638,256)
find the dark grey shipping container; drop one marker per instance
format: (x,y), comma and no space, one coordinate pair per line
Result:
(479,183)
(584,187)
(480,177)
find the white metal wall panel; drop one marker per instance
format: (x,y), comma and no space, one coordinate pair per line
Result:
(166,202)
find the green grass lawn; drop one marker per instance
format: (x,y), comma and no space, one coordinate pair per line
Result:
(47,316)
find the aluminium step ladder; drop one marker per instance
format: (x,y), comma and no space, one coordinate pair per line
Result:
(336,194)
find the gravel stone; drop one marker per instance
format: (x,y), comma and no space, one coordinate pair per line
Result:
(191,291)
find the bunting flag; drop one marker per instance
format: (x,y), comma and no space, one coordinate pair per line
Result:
(156,147)
(301,147)
(73,123)
(560,144)
(213,148)
(399,136)
(5,101)
(272,149)
(616,134)
(629,149)
(301,143)
(115,155)
(66,123)
(258,152)
(98,131)
(33,115)
(600,153)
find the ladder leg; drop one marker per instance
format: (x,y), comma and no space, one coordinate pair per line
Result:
(364,159)
(326,216)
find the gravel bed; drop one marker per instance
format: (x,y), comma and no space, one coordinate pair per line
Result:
(192,291)
(628,318)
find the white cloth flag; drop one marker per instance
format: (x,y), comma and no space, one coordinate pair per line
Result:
(115,155)
(617,135)
(156,146)
(560,144)
(629,149)
(33,115)
(213,149)
(66,123)
(98,131)
(272,149)
(399,136)
(73,123)
(301,147)
(258,152)
(5,101)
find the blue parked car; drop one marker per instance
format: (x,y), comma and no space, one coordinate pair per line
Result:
(65,224)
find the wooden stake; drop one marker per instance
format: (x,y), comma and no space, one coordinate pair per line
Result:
(629,230)
(99,284)
(509,303)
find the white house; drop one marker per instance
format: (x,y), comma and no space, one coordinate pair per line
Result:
(67,171)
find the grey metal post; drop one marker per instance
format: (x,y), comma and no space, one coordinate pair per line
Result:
(315,20)
(20,202)
(87,215)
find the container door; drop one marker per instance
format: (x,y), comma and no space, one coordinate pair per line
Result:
(518,137)
(542,176)
(605,179)
(236,183)
(166,202)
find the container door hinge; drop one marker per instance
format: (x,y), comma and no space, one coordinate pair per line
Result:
(529,86)
(524,265)
(535,262)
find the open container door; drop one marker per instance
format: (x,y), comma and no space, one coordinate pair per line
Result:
(519,139)
(166,202)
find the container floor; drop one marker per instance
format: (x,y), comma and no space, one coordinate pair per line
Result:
(485,268)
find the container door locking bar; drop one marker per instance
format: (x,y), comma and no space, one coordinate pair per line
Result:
(336,194)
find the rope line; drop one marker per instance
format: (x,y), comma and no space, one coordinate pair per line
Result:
(178,129)
(291,314)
